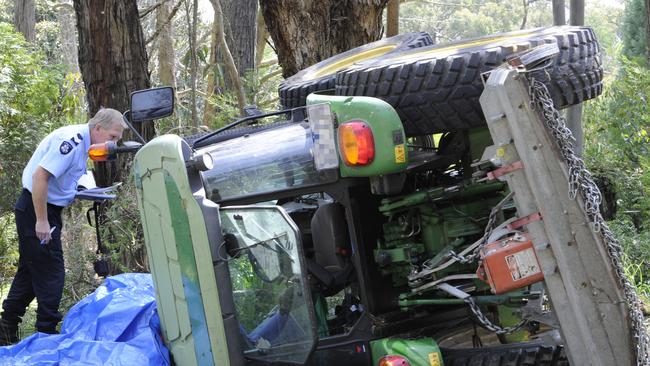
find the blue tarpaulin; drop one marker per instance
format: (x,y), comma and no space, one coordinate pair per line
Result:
(116,325)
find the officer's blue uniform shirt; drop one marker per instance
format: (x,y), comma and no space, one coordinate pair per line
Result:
(63,153)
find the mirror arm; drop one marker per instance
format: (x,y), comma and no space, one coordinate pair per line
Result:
(137,134)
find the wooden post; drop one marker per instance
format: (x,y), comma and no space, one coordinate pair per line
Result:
(577,16)
(584,291)
(574,113)
(392,18)
(559,17)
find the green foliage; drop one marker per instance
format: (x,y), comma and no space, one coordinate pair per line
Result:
(33,101)
(78,239)
(122,231)
(452,21)
(73,99)
(490,18)
(616,134)
(46,11)
(634,29)
(620,118)
(6,11)
(253,298)
(261,90)
(8,251)
(47,39)
(605,20)
(636,246)
(28,91)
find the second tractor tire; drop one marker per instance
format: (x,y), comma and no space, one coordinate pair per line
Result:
(437,88)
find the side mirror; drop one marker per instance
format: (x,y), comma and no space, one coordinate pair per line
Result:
(152,104)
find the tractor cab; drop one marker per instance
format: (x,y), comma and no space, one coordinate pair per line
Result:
(262,243)
(327,236)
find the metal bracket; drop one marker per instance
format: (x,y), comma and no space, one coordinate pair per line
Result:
(453,291)
(505,170)
(525,221)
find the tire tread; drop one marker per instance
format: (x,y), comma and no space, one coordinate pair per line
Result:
(442,94)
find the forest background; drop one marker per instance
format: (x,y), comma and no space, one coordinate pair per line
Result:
(42,57)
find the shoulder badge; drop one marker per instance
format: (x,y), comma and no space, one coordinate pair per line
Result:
(65,147)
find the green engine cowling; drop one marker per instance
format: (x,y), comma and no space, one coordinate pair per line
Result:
(390,152)
(418,352)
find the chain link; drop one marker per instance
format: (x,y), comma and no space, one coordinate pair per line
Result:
(475,254)
(487,324)
(580,181)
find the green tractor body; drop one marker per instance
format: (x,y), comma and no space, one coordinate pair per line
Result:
(354,231)
(279,252)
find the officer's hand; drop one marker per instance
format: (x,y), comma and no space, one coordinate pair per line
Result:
(43,230)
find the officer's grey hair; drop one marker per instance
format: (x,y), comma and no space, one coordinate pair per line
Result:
(106,117)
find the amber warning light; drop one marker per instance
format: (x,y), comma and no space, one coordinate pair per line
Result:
(103,152)
(356,143)
(109,150)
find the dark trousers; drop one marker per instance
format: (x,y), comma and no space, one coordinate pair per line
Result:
(40,272)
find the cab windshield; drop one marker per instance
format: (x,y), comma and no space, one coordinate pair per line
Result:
(268,284)
(268,161)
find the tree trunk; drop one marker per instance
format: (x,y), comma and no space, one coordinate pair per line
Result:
(647,29)
(25,18)
(239,24)
(392,18)
(68,36)
(192,21)
(262,35)
(574,113)
(240,28)
(166,60)
(306,32)
(211,84)
(577,12)
(113,63)
(559,16)
(229,61)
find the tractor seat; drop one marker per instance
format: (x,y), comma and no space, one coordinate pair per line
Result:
(331,265)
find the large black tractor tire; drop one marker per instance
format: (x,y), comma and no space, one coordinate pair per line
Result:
(520,354)
(437,88)
(321,76)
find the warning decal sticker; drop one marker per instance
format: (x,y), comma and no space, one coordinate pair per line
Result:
(400,156)
(522,264)
(434,359)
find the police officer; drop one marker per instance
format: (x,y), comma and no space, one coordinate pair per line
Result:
(49,184)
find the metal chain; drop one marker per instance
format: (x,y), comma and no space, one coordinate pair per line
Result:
(475,254)
(580,180)
(487,324)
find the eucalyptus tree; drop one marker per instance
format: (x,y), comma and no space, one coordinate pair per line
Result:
(25,18)
(67,35)
(113,62)
(240,31)
(306,32)
(166,57)
(220,46)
